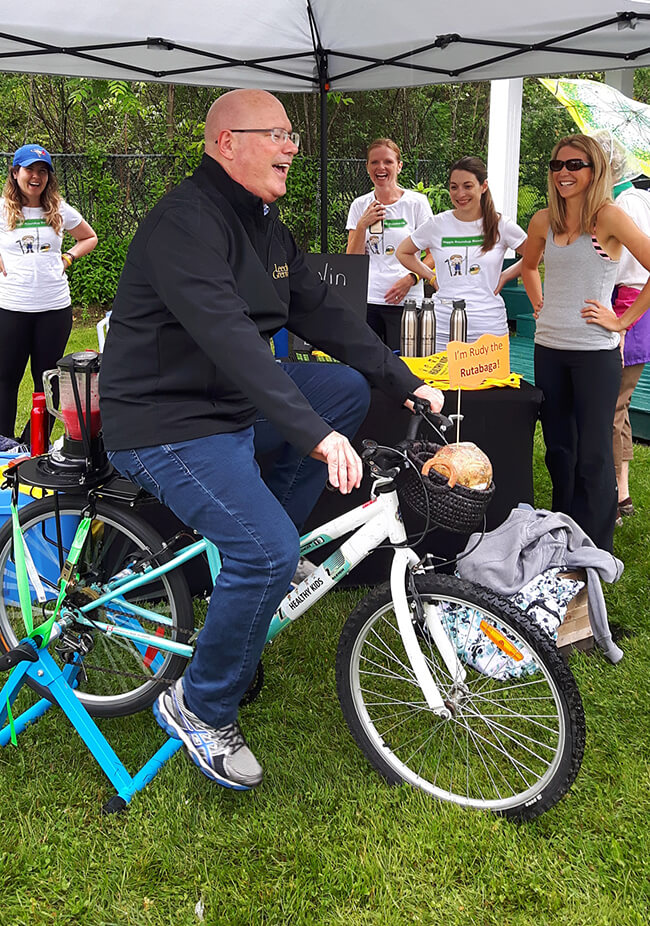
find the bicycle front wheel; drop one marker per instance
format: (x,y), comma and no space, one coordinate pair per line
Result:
(514,739)
(119,675)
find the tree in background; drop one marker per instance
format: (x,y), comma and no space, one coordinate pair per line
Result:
(127,142)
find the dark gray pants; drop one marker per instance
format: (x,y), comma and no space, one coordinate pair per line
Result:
(39,337)
(580,391)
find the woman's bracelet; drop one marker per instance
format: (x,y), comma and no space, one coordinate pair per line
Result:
(416,278)
(68,258)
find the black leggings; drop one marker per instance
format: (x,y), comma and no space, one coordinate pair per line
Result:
(580,392)
(386,321)
(40,337)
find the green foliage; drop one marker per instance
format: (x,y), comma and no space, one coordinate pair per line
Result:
(108,204)
(300,208)
(529,201)
(433,125)
(438,196)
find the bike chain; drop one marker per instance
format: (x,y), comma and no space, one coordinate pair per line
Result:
(90,594)
(135,675)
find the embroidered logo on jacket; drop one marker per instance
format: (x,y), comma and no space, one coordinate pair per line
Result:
(281,271)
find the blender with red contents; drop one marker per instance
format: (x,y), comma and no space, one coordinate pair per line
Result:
(82,450)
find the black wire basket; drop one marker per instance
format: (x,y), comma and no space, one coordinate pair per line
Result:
(457,509)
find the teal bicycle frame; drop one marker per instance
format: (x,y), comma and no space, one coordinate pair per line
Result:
(370,525)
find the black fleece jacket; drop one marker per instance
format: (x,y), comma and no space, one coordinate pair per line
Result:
(208,280)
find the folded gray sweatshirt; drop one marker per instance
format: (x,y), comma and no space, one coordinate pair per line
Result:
(531,540)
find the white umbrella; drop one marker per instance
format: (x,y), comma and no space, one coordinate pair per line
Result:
(596,107)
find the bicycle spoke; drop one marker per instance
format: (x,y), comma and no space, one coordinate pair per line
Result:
(499,742)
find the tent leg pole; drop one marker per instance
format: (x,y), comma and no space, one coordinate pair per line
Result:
(323,171)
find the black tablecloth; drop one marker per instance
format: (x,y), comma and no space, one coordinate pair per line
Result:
(500,421)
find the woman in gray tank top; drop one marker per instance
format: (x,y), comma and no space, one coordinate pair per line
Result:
(577,358)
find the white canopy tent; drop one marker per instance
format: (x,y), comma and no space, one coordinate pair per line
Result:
(323,45)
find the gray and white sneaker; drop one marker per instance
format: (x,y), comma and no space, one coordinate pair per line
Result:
(221,754)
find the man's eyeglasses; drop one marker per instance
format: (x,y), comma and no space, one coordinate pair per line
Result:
(572,164)
(279,136)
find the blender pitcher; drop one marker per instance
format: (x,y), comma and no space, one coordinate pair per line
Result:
(81,459)
(79,395)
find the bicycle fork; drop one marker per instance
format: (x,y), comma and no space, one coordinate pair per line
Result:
(402,560)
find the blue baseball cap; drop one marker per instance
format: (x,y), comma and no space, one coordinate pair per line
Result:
(29,154)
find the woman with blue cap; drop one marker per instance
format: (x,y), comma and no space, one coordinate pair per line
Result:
(35,310)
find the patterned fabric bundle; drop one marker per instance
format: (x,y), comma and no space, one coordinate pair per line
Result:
(544,599)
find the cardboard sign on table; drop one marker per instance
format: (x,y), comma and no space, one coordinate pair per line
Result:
(471,364)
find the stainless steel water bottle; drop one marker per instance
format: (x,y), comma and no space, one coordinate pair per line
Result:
(409,329)
(458,321)
(427,336)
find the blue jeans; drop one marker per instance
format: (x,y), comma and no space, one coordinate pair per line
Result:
(213,484)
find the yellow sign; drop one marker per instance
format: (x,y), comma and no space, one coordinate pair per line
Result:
(471,364)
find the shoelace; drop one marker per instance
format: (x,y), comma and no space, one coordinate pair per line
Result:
(229,737)
(232,737)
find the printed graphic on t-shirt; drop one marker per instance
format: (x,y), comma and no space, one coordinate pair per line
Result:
(30,243)
(457,264)
(377,243)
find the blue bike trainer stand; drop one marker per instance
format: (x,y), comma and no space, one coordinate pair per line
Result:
(36,668)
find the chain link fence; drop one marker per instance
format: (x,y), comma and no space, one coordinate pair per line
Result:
(130,183)
(114,192)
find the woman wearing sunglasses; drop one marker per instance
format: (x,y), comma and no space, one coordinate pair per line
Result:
(580,237)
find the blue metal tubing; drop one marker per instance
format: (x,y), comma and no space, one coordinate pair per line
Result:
(84,724)
(150,769)
(23,720)
(143,612)
(47,673)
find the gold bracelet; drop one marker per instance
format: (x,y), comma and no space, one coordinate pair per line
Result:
(416,278)
(66,256)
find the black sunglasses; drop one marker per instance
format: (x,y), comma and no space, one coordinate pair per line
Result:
(572,164)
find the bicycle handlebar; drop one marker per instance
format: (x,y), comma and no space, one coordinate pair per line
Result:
(422,410)
(381,460)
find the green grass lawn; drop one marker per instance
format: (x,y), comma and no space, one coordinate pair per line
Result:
(324,840)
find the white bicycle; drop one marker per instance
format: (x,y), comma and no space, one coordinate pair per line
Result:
(444,684)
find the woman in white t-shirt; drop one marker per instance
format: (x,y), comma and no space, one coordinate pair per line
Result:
(377,222)
(468,244)
(35,312)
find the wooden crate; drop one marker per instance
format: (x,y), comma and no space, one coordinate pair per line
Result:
(575,630)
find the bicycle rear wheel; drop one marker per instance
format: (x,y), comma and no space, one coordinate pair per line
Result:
(515,738)
(119,676)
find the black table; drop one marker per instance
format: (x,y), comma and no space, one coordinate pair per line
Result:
(500,421)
